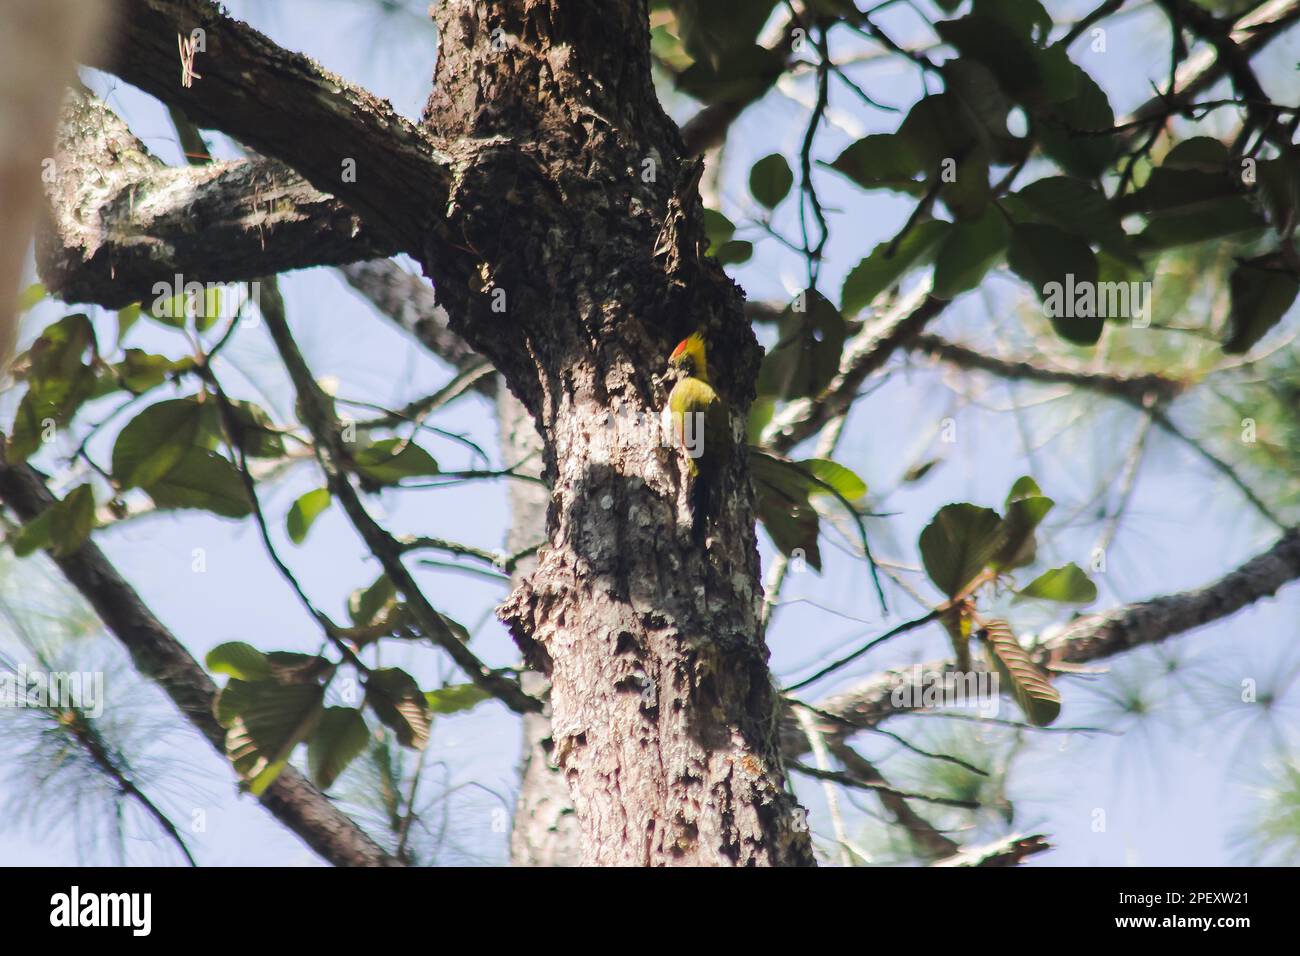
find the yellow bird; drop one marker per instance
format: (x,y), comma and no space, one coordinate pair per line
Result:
(702,425)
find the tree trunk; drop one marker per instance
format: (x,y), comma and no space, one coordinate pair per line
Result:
(577,269)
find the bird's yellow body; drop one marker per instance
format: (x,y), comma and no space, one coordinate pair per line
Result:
(702,425)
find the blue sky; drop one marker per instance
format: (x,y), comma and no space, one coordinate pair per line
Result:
(1173,787)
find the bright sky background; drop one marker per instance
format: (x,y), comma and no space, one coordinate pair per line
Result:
(1174,787)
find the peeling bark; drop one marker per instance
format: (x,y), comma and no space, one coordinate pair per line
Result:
(119,220)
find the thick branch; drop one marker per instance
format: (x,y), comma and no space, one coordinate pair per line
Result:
(158,655)
(866,352)
(1088,638)
(120,220)
(1008,851)
(344,140)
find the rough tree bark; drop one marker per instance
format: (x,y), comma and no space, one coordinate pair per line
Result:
(662,705)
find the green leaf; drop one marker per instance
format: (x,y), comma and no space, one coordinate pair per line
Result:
(717,229)
(1075,206)
(365,604)
(140,370)
(882,161)
(170,310)
(1187,226)
(204,480)
(1067,129)
(32,536)
(770,180)
(1068,585)
(733,252)
(58,382)
(1034,75)
(760,414)
(127,316)
(743,74)
(1057,265)
(1262,291)
(457,697)
(969,251)
(72,520)
(338,739)
(398,701)
(61,528)
(1034,694)
(255,432)
(781,490)
(880,270)
(238,660)
(389,460)
(1026,507)
(807,353)
(265,721)
(155,441)
(849,485)
(208,309)
(958,544)
(304,512)
(28,298)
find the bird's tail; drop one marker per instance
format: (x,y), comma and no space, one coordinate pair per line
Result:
(702,503)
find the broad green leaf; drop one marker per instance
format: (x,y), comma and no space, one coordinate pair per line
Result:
(204,480)
(733,252)
(1075,206)
(717,229)
(1068,129)
(155,441)
(389,460)
(304,512)
(338,739)
(238,660)
(140,370)
(266,720)
(61,528)
(1034,694)
(208,309)
(72,520)
(770,179)
(968,252)
(1216,219)
(781,490)
(398,701)
(457,697)
(1026,507)
(760,414)
(365,604)
(1068,585)
(255,431)
(958,544)
(837,476)
(127,316)
(882,160)
(880,270)
(807,353)
(1262,291)
(1062,270)
(32,536)
(743,74)
(58,382)
(1034,75)
(28,298)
